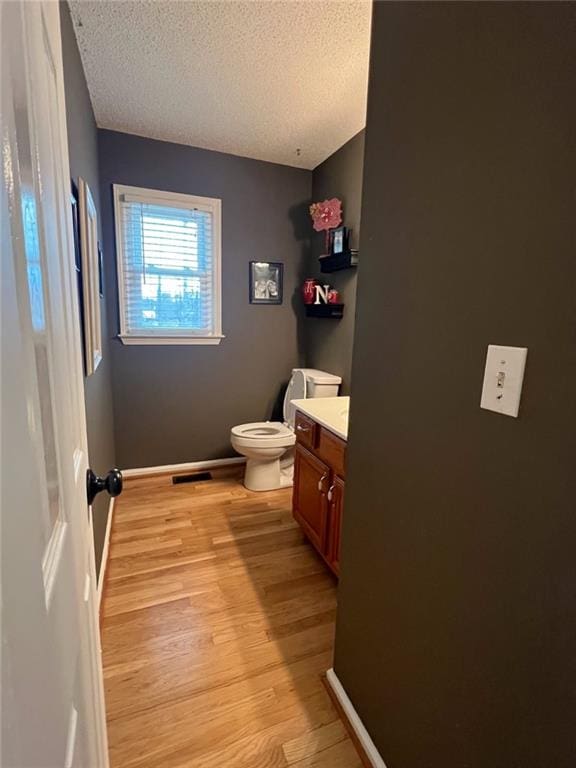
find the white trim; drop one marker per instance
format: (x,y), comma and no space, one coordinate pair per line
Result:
(144,195)
(166,469)
(161,340)
(105,550)
(354,719)
(152,196)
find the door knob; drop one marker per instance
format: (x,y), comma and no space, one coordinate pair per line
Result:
(111,483)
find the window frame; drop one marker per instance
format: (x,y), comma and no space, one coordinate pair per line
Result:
(175,200)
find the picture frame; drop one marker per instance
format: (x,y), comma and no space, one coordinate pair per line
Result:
(339,237)
(100,272)
(88,224)
(74,205)
(75,227)
(266,282)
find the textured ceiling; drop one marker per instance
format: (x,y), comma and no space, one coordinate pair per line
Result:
(260,79)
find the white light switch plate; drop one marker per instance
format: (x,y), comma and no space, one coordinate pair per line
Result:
(503,378)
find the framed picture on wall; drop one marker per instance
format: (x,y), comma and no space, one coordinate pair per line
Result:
(88,221)
(100,271)
(266,282)
(77,257)
(339,237)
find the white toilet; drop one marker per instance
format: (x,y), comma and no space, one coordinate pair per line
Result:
(268,445)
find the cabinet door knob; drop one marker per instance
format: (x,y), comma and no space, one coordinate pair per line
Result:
(330,492)
(321,483)
(302,428)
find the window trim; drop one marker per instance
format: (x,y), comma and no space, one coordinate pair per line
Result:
(176,200)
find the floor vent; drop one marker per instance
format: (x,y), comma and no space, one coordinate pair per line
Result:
(195,478)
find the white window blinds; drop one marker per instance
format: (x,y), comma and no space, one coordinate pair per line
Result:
(168,251)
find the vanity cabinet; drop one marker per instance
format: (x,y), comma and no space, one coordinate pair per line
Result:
(310,503)
(317,501)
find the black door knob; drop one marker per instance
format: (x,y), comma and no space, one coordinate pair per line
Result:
(111,483)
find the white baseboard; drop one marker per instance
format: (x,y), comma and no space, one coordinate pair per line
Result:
(354,720)
(105,550)
(191,466)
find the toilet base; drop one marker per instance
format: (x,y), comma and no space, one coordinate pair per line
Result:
(268,475)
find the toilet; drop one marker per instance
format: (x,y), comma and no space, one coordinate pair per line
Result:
(268,445)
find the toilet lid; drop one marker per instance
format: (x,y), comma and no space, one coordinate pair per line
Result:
(296,390)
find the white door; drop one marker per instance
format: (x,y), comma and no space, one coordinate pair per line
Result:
(52,694)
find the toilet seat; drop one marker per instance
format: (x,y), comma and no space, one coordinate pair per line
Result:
(262,430)
(271,434)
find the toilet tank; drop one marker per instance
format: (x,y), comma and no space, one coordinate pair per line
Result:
(320,383)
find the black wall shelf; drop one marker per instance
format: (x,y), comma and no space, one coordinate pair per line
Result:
(334,311)
(338,261)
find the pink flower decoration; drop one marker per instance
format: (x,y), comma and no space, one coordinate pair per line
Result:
(326,215)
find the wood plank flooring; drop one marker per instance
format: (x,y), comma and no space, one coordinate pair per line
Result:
(217,625)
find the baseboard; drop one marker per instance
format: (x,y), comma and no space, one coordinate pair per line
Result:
(105,550)
(368,752)
(191,466)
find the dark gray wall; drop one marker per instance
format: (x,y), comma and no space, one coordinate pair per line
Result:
(177,403)
(456,630)
(83,150)
(329,342)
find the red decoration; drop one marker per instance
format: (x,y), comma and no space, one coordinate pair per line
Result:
(327,214)
(309,290)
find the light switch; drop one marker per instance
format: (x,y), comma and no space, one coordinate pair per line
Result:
(503,378)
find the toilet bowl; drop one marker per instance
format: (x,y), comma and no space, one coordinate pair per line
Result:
(264,444)
(268,445)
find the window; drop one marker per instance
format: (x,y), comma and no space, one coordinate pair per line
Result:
(168,255)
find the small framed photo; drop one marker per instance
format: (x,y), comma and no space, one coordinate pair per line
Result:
(266,282)
(338,240)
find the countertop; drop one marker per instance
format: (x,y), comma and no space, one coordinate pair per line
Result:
(330,412)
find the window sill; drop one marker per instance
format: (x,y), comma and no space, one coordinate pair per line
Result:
(170,340)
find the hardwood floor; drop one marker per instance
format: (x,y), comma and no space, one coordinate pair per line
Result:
(217,625)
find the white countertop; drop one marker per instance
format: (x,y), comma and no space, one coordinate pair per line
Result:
(331,412)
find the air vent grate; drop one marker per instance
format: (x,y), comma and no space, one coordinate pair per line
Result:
(195,478)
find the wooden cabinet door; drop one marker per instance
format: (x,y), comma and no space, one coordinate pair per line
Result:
(335,511)
(309,502)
